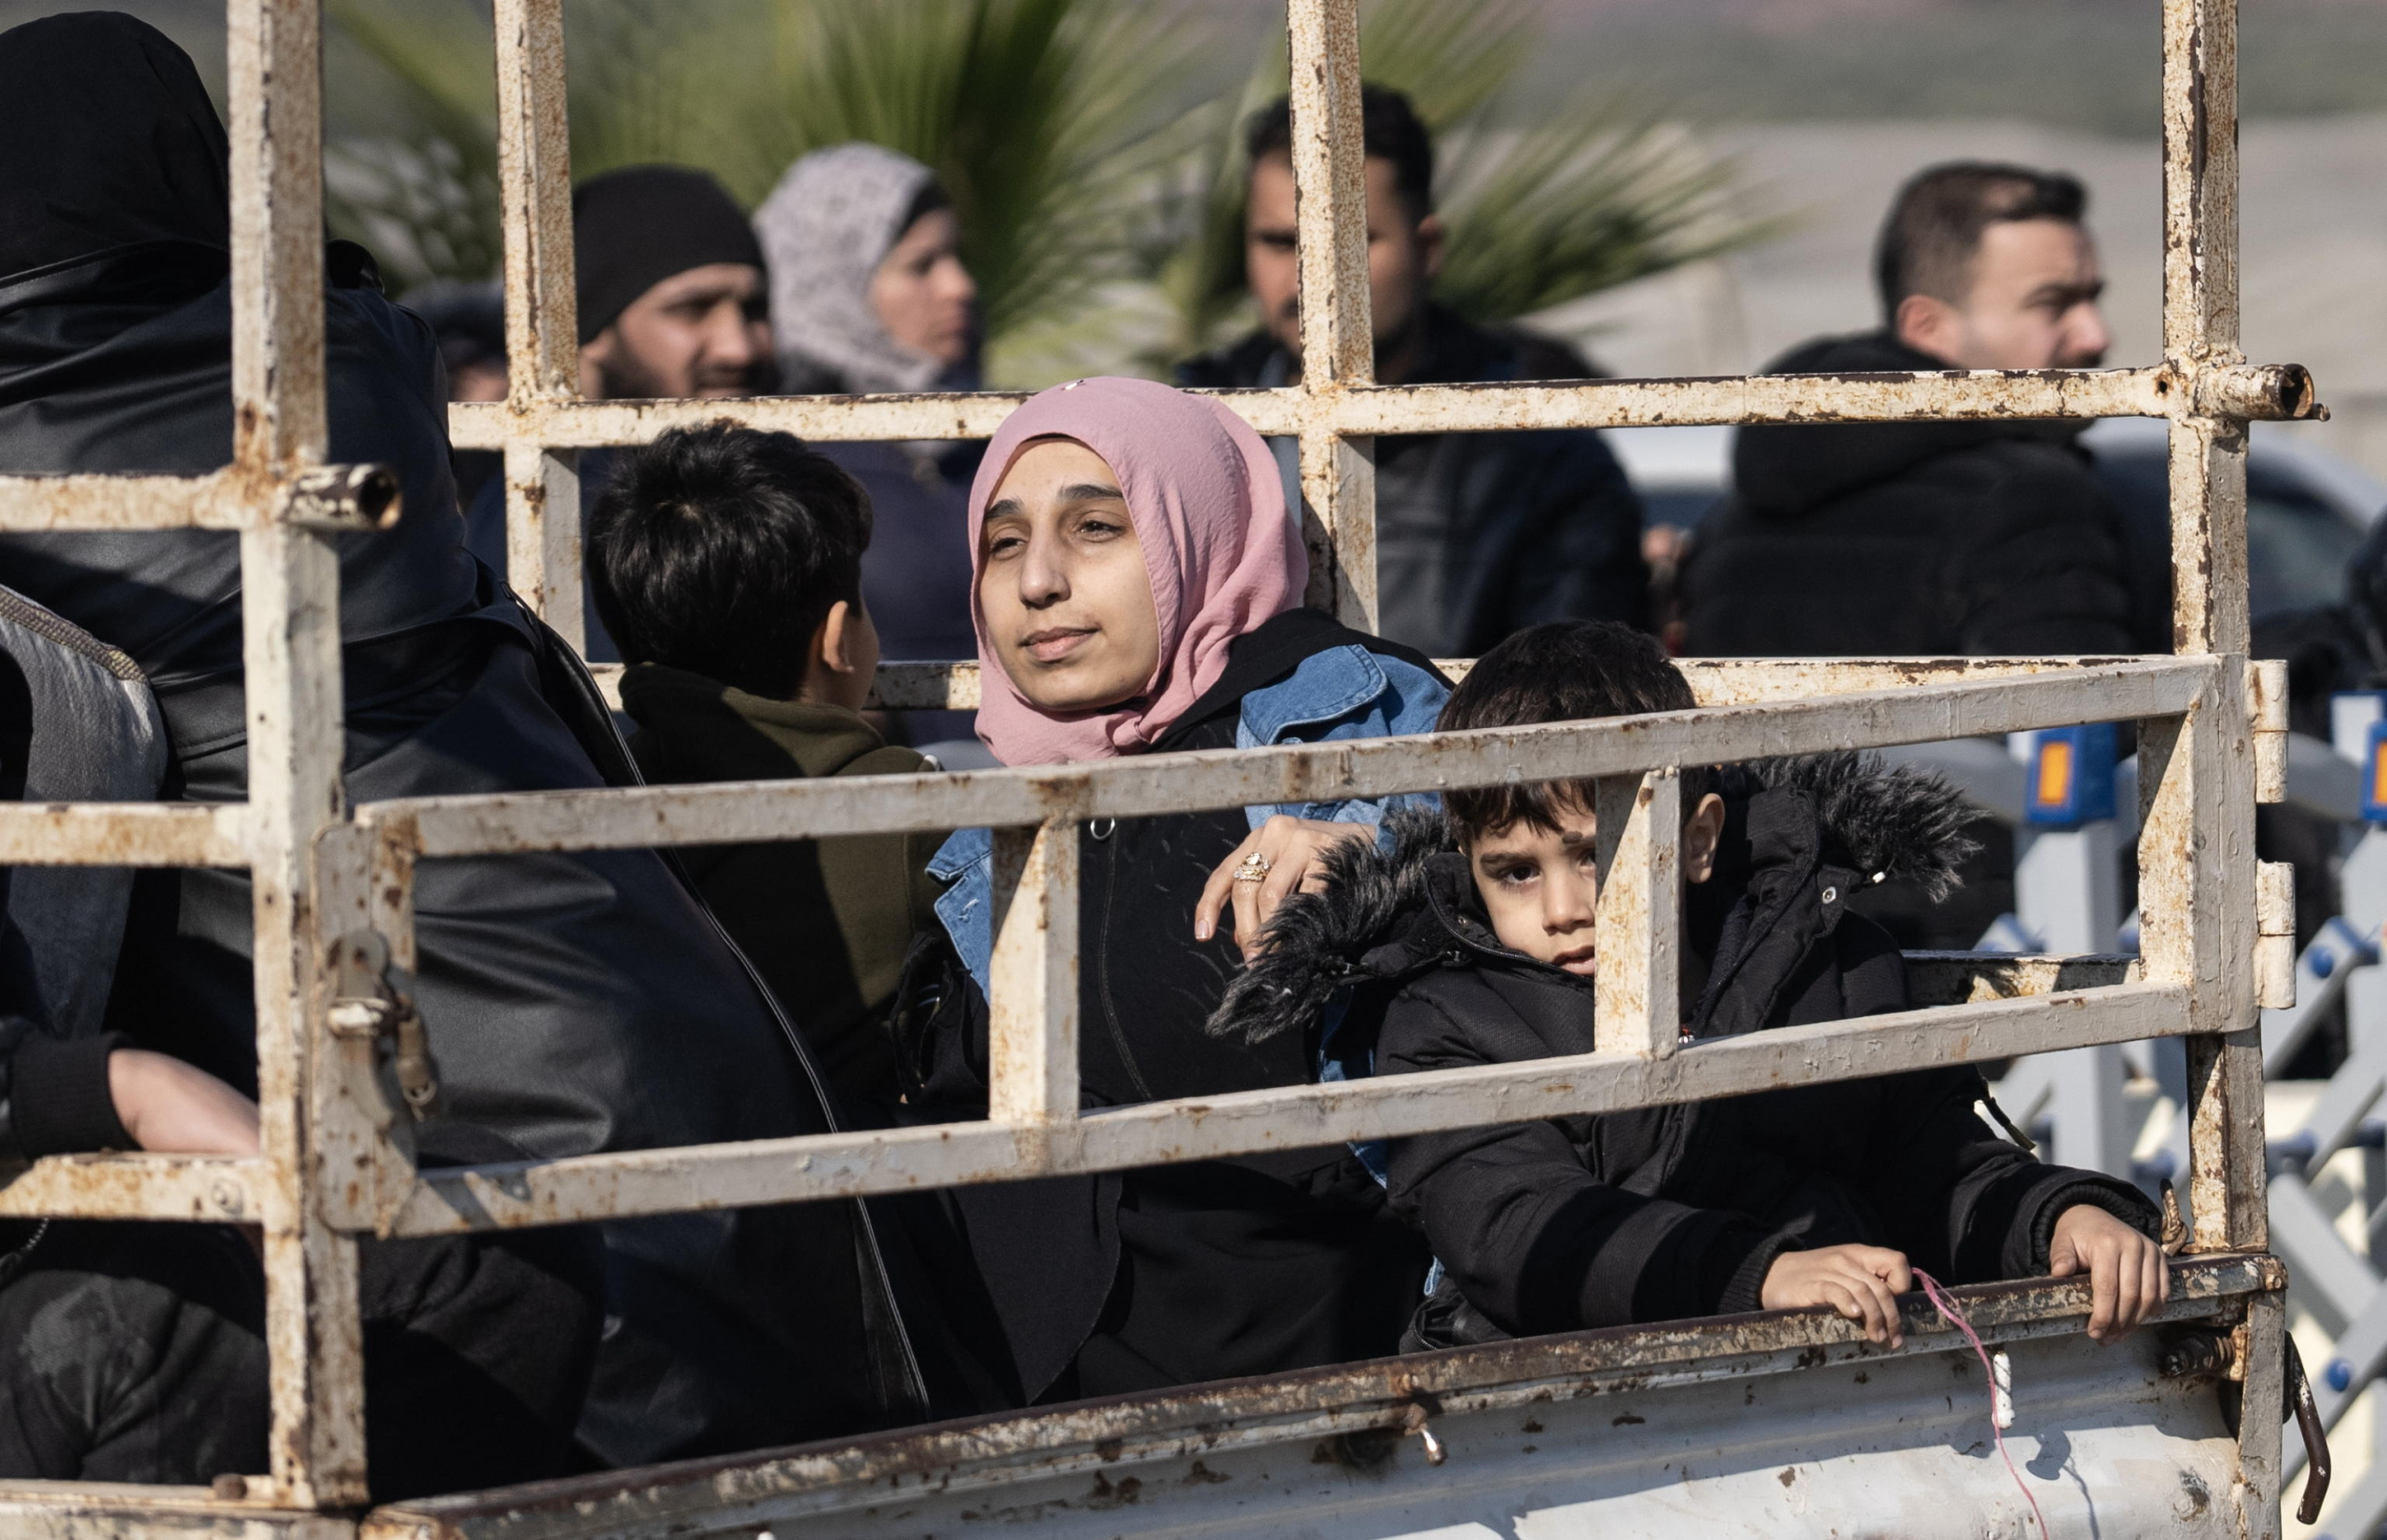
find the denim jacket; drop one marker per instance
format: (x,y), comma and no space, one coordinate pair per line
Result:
(1342,693)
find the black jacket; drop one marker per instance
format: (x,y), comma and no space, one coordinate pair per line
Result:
(1909,539)
(1145,1279)
(1482,534)
(575,1002)
(1676,1211)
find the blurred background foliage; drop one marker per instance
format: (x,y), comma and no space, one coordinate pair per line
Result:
(1093,147)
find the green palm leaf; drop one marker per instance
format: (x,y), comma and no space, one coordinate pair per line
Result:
(1096,168)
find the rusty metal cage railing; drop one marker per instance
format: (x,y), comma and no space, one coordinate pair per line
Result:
(332,883)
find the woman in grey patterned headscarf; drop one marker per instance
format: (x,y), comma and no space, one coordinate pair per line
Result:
(868,295)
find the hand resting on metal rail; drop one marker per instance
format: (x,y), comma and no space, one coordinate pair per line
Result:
(1472,940)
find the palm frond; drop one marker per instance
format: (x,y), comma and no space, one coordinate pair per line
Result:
(1593,197)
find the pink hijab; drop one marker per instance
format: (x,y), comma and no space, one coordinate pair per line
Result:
(1208,509)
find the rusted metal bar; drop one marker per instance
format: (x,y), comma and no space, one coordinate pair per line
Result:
(1959,978)
(1296,1411)
(92,1510)
(837,1165)
(1715,681)
(211,1189)
(2267,708)
(1638,926)
(542,536)
(2263,392)
(1032,1010)
(542,329)
(290,625)
(123,834)
(2201,323)
(1136,786)
(2274,935)
(1338,337)
(363,1138)
(2198,929)
(335,498)
(2262,1395)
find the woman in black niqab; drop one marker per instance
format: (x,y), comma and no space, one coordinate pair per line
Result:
(575,1001)
(116,355)
(130,150)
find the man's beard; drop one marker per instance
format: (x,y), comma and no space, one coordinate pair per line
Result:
(624,376)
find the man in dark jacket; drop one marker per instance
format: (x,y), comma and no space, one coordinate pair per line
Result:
(575,1002)
(135,1351)
(1477,534)
(673,305)
(1469,943)
(1931,538)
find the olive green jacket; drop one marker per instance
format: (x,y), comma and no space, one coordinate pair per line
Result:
(827,921)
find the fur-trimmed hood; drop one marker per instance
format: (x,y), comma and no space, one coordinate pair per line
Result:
(1403,903)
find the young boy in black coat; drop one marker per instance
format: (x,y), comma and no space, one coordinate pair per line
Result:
(1470,942)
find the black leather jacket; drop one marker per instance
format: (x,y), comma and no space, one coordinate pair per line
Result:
(575,1002)
(1482,534)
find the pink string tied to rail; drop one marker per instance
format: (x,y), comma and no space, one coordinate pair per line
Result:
(1955,1317)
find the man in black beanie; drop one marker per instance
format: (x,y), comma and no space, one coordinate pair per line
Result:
(673,306)
(673,299)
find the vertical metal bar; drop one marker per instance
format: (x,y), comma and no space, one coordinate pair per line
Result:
(1638,924)
(364,1148)
(2198,929)
(542,334)
(542,536)
(1032,1029)
(2260,1463)
(1338,339)
(2201,862)
(2201,319)
(290,640)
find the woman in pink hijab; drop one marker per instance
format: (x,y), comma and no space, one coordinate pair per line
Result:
(1137,582)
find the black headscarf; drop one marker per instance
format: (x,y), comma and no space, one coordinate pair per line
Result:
(636,226)
(108,139)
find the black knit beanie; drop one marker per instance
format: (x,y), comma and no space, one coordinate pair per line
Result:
(636,226)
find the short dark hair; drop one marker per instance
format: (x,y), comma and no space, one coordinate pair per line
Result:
(1933,232)
(720,549)
(1390,130)
(1565,670)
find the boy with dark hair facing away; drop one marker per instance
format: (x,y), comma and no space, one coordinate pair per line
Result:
(727,564)
(1470,942)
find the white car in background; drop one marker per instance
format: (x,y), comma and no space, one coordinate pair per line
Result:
(2306,509)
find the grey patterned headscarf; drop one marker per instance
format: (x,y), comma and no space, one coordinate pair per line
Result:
(824,229)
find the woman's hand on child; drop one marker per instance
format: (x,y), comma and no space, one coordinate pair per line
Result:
(1292,859)
(2128,1281)
(1862,1283)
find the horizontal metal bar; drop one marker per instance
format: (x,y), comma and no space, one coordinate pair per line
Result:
(1133,787)
(2253,391)
(110,833)
(1963,978)
(840,1165)
(216,1188)
(703,1496)
(1715,681)
(94,1510)
(320,497)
